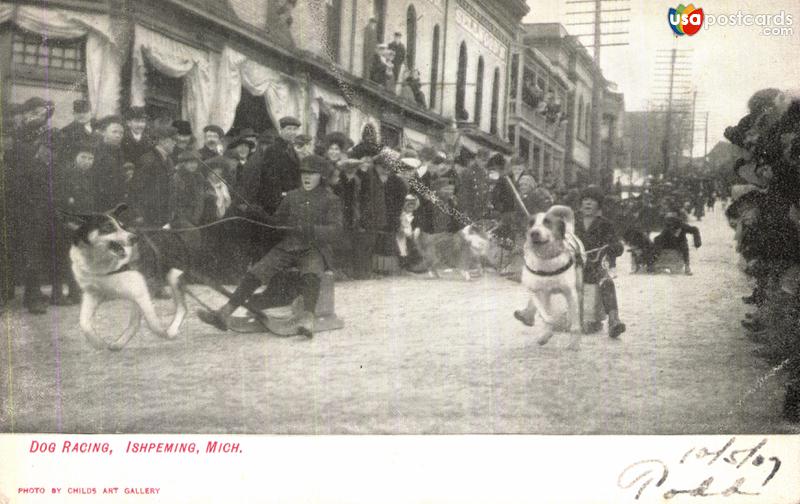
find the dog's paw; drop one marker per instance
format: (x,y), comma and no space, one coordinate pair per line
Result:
(574,347)
(544,338)
(171,333)
(116,346)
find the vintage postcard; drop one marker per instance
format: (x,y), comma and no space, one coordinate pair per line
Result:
(399,250)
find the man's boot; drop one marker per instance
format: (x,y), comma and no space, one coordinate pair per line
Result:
(615,325)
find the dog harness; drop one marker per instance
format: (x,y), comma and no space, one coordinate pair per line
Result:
(551,273)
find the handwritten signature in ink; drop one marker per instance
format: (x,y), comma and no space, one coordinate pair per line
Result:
(655,473)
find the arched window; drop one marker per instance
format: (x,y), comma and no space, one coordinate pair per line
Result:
(587,128)
(579,126)
(379,12)
(461,83)
(434,65)
(411,37)
(495,101)
(479,92)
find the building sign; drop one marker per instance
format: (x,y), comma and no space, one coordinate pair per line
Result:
(437,4)
(483,35)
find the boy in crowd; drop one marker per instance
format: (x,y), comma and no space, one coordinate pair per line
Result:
(314,215)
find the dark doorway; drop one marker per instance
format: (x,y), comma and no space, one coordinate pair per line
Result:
(252,112)
(163,96)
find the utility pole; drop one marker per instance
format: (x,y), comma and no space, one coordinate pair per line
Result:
(673,76)
(691,137)
(598,81)
(705,151)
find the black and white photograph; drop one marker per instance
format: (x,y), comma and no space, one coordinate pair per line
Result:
(400,217)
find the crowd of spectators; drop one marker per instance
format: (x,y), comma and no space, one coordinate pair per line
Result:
(169,178)
(766,216)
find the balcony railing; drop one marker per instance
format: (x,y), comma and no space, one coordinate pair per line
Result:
(554,131)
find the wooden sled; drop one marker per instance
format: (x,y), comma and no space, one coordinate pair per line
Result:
(669,261)
(281,303)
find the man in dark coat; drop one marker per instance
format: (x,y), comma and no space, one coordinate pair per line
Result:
(184,139)
(108,173)
(136,141)
(29,186)
(150,186)
(399,54)
(673,237)
(212,143)
(267,183)
(595,231)
(314,215)
(77,133)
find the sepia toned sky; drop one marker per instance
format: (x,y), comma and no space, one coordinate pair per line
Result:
(729,63)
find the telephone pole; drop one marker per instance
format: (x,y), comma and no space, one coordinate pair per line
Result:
(677,67)
(598,81)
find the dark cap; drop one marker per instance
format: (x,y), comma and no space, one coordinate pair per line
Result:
(288,121)
(183,127)
(35,102)
(220,163)
(315,164)
(80,106)
(594,193)
(83,146)
(248,132)
(302,140)
(339,139)
(242,140)
(216,129)
(188,155)
(163,131)
(108,120)
(135,113)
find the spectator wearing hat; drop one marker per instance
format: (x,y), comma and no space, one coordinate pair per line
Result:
(109,176)
(368,146)
(399,58)
(595,231)
(315,217)
(303,146)
(267,182)
(503,197)
(77,133)
(212,142)
(240,150)
(472,192)
(380,69)
(383,196)
(189,196)
(422,189)
(184,139)
(150,185)
(136,141)
(73,194)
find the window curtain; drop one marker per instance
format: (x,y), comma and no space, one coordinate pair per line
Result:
(283,94)
(103,61)
(177,60)
(335,106)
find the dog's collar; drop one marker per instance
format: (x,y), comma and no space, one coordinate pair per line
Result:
(551,273)
(125,267)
